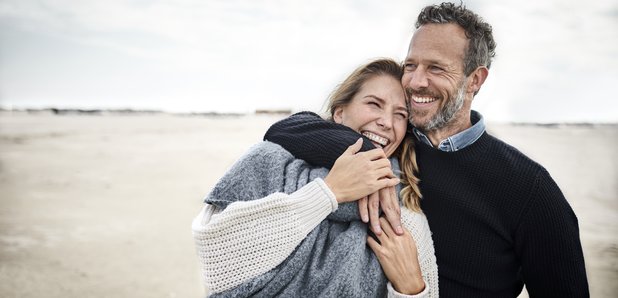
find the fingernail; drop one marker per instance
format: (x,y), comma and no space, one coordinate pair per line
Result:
(364,219)
(377,230)
(399,230)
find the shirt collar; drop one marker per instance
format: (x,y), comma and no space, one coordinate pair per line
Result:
(460,140)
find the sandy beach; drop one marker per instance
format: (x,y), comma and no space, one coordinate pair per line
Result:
(101,206)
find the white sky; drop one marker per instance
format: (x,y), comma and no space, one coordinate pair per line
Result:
(557,60)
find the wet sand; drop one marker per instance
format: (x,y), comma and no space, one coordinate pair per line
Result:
(101,206)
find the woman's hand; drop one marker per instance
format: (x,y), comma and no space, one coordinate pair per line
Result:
(369,208)
(356,175)
(399,259)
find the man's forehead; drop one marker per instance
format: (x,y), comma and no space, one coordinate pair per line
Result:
(439,40)
(441,32)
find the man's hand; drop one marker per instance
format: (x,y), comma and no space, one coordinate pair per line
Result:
(356,175)
(398,256)
(369,208)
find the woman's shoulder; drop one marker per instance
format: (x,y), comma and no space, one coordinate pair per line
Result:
(266,149)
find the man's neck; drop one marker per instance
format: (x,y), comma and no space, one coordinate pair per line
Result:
(458,124)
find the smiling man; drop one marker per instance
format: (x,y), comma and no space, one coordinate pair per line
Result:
(499,220)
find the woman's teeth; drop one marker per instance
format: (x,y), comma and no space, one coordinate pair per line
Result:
(376,138)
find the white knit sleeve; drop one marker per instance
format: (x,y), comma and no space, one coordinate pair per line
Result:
(418,226)
(249,238)
(392,293)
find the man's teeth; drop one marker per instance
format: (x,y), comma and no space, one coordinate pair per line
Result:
(376,138)
(423,99)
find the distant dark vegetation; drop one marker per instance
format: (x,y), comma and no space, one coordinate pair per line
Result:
(102,112)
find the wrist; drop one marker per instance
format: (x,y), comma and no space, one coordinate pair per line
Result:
(411,287)
(332,188)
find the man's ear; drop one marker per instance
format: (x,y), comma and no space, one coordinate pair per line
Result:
(478,77)
(338,115)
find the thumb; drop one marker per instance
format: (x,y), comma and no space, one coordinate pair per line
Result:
(352,149)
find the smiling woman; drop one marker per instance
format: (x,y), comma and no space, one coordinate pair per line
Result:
(272,217)
(378,109)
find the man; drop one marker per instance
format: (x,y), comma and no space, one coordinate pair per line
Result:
(499,221)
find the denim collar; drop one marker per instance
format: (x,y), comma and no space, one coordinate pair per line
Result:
(460,140)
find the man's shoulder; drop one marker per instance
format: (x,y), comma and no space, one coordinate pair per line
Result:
(501,150)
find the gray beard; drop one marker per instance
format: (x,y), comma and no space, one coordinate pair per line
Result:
(447,113)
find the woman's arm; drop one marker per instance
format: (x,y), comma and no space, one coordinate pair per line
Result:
(251,235)
(248,239)
(409,260)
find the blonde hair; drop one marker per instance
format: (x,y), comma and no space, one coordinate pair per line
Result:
(411,192)
(343,94)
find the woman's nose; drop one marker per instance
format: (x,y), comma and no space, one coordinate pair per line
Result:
(385,121)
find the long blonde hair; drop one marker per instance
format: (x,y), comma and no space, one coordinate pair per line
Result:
(410,193)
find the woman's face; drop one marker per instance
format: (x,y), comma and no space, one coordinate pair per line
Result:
(377,111)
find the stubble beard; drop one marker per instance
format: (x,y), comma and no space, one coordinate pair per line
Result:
(445,114)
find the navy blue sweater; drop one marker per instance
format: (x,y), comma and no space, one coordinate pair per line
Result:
(498,218)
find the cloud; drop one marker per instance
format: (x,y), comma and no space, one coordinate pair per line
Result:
(245,54)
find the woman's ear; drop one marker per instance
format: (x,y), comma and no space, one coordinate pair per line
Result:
(338,115)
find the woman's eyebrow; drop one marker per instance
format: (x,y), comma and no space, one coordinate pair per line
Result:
(374,96)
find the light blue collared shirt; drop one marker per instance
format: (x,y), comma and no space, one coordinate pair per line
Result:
(460,140)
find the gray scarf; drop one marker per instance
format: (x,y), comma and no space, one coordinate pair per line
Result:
(332,261)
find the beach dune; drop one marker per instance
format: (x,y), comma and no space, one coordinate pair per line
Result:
(101,205)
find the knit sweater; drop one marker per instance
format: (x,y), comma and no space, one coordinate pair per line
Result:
(273,228)
(498,218)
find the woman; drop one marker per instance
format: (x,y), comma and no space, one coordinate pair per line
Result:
(275,226)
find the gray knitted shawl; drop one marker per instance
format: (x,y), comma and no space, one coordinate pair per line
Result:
(332,261)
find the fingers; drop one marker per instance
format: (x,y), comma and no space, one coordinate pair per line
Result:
(374,245)
(363,209)
(388,182)
(353,149)
(374,154)
(391,209)
(386,227)
(374,213)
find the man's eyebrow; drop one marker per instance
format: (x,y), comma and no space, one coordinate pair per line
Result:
(428,61)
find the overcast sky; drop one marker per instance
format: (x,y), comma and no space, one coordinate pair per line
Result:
(557,60)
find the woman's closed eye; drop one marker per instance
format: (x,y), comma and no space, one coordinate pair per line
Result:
(401,116)
(374,104)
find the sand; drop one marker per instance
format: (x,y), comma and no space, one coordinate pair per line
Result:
(101,206)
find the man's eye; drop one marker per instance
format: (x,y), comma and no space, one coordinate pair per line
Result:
(436,68)
(409,66)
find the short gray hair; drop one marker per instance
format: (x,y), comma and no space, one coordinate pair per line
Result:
(481,46)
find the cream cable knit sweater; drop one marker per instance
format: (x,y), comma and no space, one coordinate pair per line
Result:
(250,238)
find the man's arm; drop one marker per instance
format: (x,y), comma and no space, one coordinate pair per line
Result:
(320,142)
(548,244)
(317,141)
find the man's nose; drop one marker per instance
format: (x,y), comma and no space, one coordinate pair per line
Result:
(417,79)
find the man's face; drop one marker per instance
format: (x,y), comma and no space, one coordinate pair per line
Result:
(433,76)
